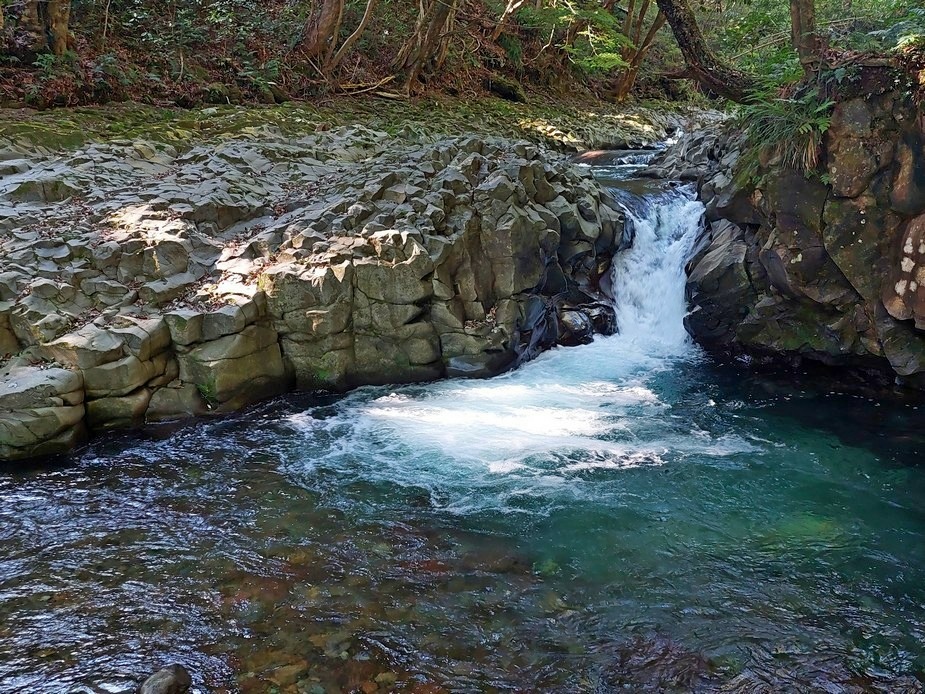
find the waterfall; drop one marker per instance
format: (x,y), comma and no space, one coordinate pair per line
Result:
(489,444)
(648,278)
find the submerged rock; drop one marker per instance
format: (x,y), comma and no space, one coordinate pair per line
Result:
(173,679)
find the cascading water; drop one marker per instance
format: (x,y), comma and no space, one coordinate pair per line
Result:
(649,279)
(490,444)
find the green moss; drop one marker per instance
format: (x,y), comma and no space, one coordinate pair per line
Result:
(566,126)
(209,392)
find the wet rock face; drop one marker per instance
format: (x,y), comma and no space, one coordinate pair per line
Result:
(140,283)
(832,271)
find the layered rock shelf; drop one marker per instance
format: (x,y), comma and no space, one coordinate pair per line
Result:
(141,283)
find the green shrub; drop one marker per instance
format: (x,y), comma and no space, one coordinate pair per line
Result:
(513,48)
(787,130)
(588,33)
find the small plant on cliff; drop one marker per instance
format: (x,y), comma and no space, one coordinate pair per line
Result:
(209,392)
(785,131)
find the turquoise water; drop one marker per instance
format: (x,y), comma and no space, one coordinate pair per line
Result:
(798,563)
(623,516)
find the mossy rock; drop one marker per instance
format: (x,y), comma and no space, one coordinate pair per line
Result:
(218,93)
(506,88)
(556,125)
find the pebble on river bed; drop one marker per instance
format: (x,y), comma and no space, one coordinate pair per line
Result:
(173,679)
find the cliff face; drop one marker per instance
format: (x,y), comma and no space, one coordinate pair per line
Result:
(830,271)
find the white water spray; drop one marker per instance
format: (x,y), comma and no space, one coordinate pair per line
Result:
(649,278)
(572,409)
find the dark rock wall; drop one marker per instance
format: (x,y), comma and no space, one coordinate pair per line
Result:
(829,267)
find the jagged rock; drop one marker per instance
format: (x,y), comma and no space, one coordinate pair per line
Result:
(831,271)
(907,189)
(40,187)
(120,377)
(719,287)
(327,261)
(603,317)
(167,257)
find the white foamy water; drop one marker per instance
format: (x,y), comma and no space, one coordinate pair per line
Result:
(478,443)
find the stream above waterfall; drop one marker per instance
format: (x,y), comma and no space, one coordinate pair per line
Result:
(624,515)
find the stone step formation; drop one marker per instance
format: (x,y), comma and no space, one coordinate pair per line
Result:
(140,283)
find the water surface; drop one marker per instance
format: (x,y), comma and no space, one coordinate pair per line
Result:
(622,516)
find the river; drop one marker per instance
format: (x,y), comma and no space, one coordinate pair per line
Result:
(627,515)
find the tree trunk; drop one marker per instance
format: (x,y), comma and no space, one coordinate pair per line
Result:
(322,34)
(635,55)
(426,43)
(33,25)
(350,40)
(703,64)
(59,16)
(511,7)
(805,39)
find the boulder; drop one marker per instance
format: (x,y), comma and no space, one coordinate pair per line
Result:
(575,327)
(173,679)
(123,411)
(236,368)
(9,344)
(41,411)
(87,347)
(184,325)
(175,401)
(142,337)
(122,376)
